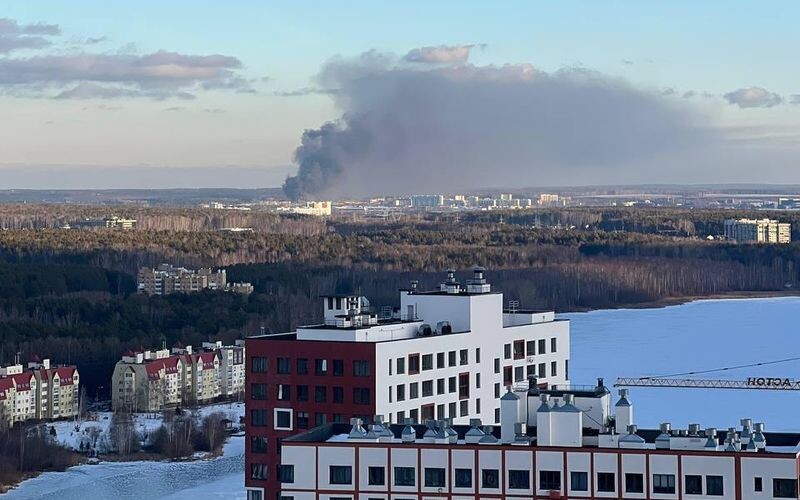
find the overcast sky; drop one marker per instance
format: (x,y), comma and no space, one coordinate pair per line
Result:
(553,92)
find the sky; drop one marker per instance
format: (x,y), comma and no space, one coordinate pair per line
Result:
(133,94)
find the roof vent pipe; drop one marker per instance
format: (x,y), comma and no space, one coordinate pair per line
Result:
(356,430)
(694,430)
(711,442)
(758,436)
(663,439)
(409,435)
(474,434)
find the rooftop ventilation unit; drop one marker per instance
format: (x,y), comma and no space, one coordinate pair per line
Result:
(478,283)
(424,330)
(443,328)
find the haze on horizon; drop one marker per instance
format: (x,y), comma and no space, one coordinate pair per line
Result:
(396,98)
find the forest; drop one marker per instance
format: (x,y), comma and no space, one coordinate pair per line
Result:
(70,294)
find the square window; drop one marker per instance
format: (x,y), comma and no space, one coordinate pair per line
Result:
(427,388)
(284,366)
(784,488)
(405,476)
(579,481)
(283,419)
(464,407)
(302,420)
(361,395)
(286,473)
(258,418)
(714,486)
(519,479)
(451,410)
(258,364)
(553,369)
(451,385)
(519,374)
(376,476)
(508,375)
(693,485)
(340,474)
(258,392)
(490,478)
(664,483)
(606,482)
(338,368)
(542,370)
(361,368)
(427,361)
(302,366)
(258,444)
(320,419)
(496,365)
(434,477)
(519,349)
(549,480)
(258,471)
(463,478)
(634,483)
(463,385)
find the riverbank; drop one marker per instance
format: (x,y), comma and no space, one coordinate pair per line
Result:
(676,301)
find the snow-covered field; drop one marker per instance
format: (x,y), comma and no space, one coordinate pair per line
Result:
(91,433)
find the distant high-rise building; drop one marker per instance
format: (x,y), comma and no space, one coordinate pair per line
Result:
(758,231)
(424,200)
(167,279)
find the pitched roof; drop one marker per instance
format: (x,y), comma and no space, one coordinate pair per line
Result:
(207,359)
(66,374)
(22,381)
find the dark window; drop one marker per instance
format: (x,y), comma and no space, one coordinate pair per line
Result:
(286,473)
(440,412)
(477,355)
(497,390)
(758,484)
(258,418)
(451,410)
(463,478)
(478,380)
(542,346)
(553,344)
(284,366)
(784,488)
(579,481)
(478,405)
(258,471)
(714,486)
(401,393)
(519,374)
(258,391)
(553,368)
(413,390)
(338,368)
(634,483)
(361,368)
(440,360)
(413,364)
(258,364)
(490,478)
(542,370)
(376,476)
(401,365)
(427,361)
(320,419)
(530,348)
(258,444)
(507,351)
(434,477)
(338,394)
(427,412)
(549,480)
(427,388)
(605,482)
(463,356)
(302,366)
(321,366)
(451,358)
(664,483)
(302,393)
(694,485)
(284,392)
(519,479)
(340,474)
(302,420)
(508,375)
(451,385)
(463,385)
(283,419)
(497,365)
(440,386)
(320,394)
(404,476)
(519,349)
(361,395)
(530,371)
(338,417)
(414,415)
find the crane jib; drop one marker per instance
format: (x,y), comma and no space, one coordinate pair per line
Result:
(772,382)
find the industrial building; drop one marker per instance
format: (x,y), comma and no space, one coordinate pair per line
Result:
(758,231)
(562,442)
(443,354)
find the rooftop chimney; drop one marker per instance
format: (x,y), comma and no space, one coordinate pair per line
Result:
(478,283)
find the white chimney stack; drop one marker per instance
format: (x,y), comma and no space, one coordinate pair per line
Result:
(509,415)
(624,412)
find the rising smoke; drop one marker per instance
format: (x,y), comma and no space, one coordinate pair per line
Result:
(411,128)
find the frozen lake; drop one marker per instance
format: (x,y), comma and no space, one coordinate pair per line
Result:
(625,342)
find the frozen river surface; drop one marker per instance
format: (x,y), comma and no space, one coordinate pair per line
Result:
(691,337)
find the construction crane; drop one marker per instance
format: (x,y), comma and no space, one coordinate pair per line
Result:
(677,380)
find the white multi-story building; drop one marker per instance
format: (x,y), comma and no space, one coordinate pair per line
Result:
(231,367)
(41,392)
(758,231)
(555,443)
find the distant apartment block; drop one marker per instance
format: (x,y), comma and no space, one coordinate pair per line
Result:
(40,392)
(424,200)
(315,208)
(112,222)
(167,279)
(758,231)
(151,380)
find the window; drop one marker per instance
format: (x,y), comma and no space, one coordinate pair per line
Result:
(553,369)
(401,393)
(542,370)
(284,392)
(283,419)
(427,361)
(451,385)
(361,395)
(427,388)
(477,355)
(478,405)
(434,477)
(784,488)
(302,420)
(496,365)
(634,483)
(284,366)
(542,346)
(258,364)
(286,473)
(463,357)
(404,476)
(338,368)
(478,380)
(714,486)
(413,390)
(507,351)
(530,348)
(390,366)
(463,478)
(440,360)
(549,480)
(258,418)
(497,390)
(440,412)
(361,368)
(463,407)
(340,474)
(258,471)
(302,366)
(579,481)
(553,345)
(694,485)
(401,417)
(519,479)
(451,410)
(758,484)
(338,395)
(519,374)
(427,412)
(519,349)
(413,364)
(463,385)
(440,386)
(376,476)
(259,495)
(320,394)
(508,375)
(663,483)
(338,417)
(321,366)
(302,393)
(401,365)
(451,358)
(605,482)
(497,415)
(490,478)
(320,419)
(258,391)
(258,444)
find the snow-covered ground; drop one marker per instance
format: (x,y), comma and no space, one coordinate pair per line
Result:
(92,432)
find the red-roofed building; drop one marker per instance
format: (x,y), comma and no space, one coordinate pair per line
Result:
(40,392)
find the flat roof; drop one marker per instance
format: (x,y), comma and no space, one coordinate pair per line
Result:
(462,293)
